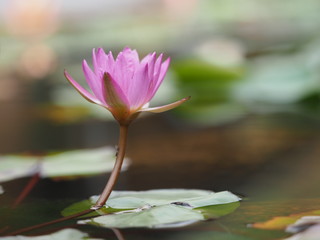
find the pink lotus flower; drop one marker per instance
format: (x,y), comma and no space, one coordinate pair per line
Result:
(124,85)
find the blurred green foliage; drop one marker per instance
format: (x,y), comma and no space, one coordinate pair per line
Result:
(205,82)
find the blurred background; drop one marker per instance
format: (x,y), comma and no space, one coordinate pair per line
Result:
(252,68)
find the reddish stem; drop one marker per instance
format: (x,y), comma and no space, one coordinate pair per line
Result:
(4,229)
(27,189)
(116,169)
(103,197)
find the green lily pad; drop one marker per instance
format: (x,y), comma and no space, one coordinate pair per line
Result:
(153,217)
(158,208)
(59,165)
(80,163)
(193,198)
(86,204)
(216,211)
(12,167)
(211,89)
(278,80)
(68,233)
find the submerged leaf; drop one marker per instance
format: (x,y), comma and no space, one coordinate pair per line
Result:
(60,165)
(158,208)
(68,233)
(281,222)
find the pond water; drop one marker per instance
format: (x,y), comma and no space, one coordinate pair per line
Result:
(271,161)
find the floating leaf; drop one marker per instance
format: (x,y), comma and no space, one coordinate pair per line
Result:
(60,165)
(79,163)
(12,167)
(158,216)
(68,233)
(84,205)
(158,208)
(193,198)
(212,102)
(278,80)
(219,210)
(281,222)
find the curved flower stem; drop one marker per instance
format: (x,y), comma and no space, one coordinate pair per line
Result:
(27,189)
(116,169)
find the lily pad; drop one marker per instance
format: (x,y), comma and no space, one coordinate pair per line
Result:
(158,208)
(80,162)
(153,217)
(69,233)
(59,165)
(193,198)
(81,206)
(279,80)
(12,167)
